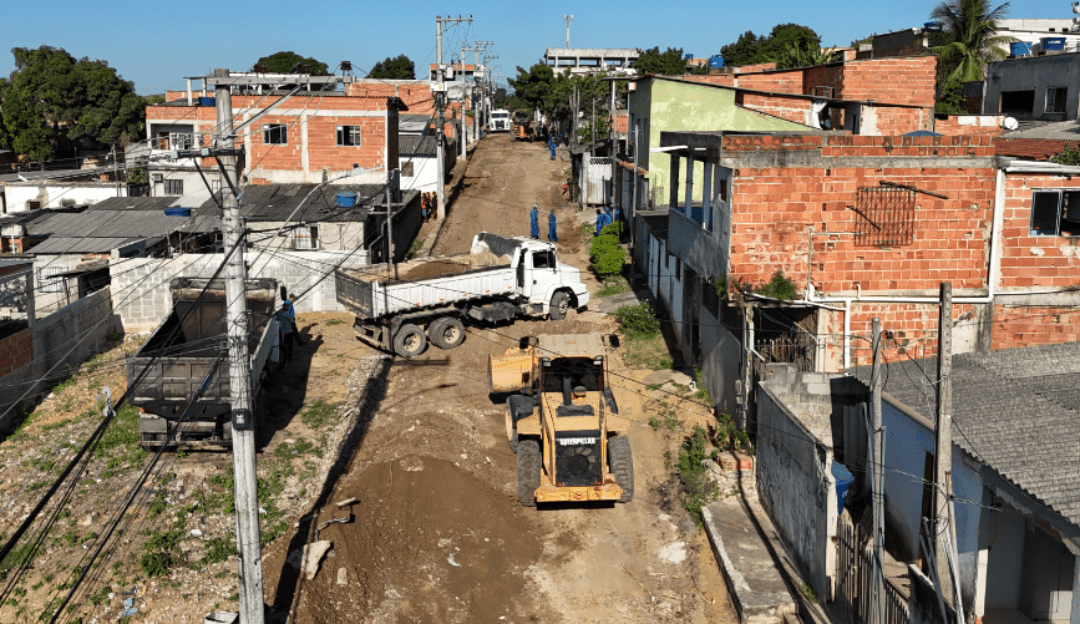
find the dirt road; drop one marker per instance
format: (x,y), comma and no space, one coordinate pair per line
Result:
(437,534)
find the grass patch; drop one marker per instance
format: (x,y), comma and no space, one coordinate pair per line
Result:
(647,353)
(334,322)
(319,414)
(614,285)
(414,249)
(219,549)
(697,489)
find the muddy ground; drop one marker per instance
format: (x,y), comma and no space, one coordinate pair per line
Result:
(436,532)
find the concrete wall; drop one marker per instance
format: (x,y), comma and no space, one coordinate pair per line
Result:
(141,285)
(794,479)
(721,361)
(666,105)
(57,194)
(1034,73)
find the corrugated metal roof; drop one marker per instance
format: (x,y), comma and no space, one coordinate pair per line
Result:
(276,202)
(1016,410)
(1057,131)
(108,224)
(66,245)
(417,146)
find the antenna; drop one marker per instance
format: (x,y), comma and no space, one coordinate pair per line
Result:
(569,18)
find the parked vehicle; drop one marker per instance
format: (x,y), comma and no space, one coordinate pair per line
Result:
(563,423)
(186,346)
(500,280)
(500,120)
(523,130)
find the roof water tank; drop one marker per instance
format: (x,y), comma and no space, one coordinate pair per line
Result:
(1020,48)
(688,57)
(716,61)
(1053,43)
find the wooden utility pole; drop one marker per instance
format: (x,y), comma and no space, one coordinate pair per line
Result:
(243,423)
(877,591)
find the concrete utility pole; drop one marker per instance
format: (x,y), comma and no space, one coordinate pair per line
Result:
(464,102)
(944,519)
(569,18)
(440,120)
(116,170)
(877,591)
(243,435)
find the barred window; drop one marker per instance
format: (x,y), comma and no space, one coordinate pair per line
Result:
(886,217)
(348,135)
(275,134)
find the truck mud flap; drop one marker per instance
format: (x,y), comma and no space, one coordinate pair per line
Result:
(374,335)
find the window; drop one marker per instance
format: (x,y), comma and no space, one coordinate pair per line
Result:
(306,238)
(886,217)
(174,187)
(348,135)
(157,177)
(51,280)
(275,134)
(1055,99)
(33,205)
(407,170)
(543,260)
(1055,213)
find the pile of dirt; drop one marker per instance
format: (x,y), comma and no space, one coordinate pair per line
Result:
(435,268)
(428,543)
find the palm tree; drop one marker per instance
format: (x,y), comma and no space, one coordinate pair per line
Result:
(969,38)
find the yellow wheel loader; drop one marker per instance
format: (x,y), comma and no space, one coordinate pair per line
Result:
(562,420)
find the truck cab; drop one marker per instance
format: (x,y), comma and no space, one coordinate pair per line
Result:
(548,285)
(500,120)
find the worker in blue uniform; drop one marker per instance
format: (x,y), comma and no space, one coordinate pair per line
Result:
(551,145)
(553,236)
(534,222)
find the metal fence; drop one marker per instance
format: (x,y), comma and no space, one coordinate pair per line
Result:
(854,580)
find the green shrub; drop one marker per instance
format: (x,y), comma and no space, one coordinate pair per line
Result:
(638,320)
(779,287)
(156,563)
(697,489)
(607,255)
(219,549)
(614,228)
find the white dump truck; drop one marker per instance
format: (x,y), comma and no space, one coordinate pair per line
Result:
(499,280)
(500,120)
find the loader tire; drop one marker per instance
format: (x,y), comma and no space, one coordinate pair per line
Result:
(528,461)
(621,463)
(447,332)
(410,341)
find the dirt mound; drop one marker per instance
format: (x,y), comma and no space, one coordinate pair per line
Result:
(429,543)
(435,268)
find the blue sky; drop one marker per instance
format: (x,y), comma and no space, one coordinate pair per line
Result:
(156,44)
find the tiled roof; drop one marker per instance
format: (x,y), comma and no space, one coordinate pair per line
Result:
(1016,410)
(1032,149)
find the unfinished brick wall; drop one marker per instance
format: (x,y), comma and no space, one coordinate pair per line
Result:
(727,80)
(906,80)
(782,81)
(1031,326)
(790,108)
(903,43)
(1029,261)
(969,125)
(745,69)
(16,351)
(910,331)
(773,207)
(824,80)
(895,120)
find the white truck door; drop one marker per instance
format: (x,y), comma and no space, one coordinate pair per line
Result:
(545,275)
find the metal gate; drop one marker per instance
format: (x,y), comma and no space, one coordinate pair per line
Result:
(854,577)
(597,180)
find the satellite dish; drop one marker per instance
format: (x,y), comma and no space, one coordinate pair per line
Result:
(1011,123)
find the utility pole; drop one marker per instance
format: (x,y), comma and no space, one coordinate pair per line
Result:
(243,434)
(877,592)
(116,170)
(464,101)
(569,18)
(944,519)
(440,103)
(478,47)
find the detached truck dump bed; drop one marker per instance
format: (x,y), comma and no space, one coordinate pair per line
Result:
(500,280)
(184,348)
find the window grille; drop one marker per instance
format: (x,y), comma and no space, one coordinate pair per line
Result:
(885,217)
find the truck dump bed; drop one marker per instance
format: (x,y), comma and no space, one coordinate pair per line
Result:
(425,283)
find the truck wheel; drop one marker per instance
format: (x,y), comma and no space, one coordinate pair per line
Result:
(621,463)
(560,305)
(447,332)
(528,460)
(410,341)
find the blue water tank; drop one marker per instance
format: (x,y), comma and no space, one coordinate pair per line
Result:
(346,199)
(688,57)
(207,101)
(844,479)
(178,212)
(716,61)
(1053,43)
(1020,48)
(934,26)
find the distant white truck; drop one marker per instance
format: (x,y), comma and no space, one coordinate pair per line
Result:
(500,280)
(500,120)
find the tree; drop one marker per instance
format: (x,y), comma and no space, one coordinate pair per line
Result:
(52,98)
(799,57)
(969,39)
(288,63)
(397,68)
(669,63)
(541,87)
(779,46)
(743,51)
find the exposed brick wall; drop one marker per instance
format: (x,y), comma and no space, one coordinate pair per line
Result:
(790,108)
(1031,326)
(773,207)
(1032,261)
(1033,149)
(895,120)
(831,76)
(783,81)
(911,331)
(745,69)
(727,80)
(16,351)
(906,80)
(967,125)
(903,43)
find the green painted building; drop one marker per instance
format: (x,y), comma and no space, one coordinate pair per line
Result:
(659,103)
